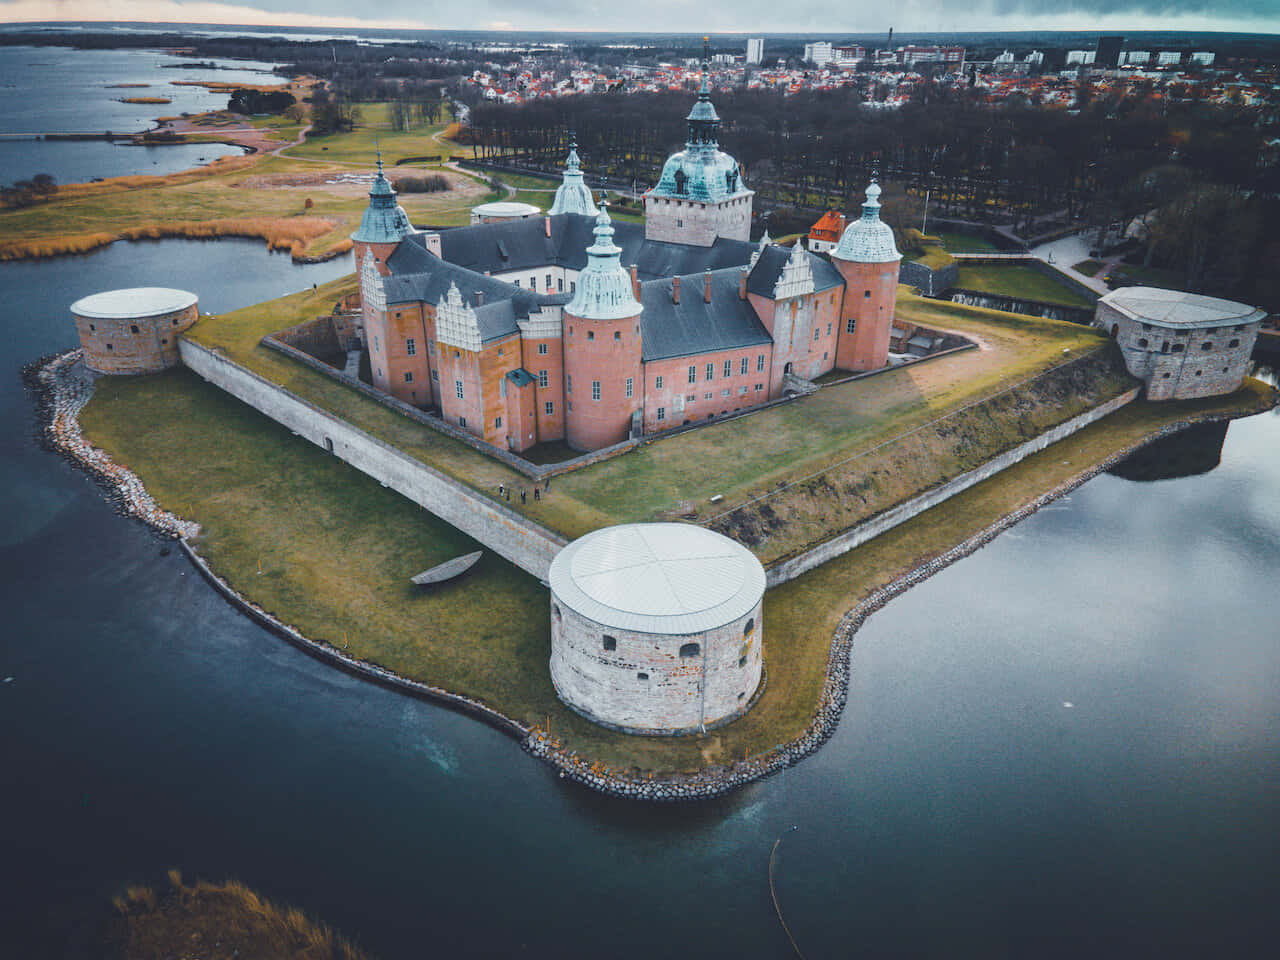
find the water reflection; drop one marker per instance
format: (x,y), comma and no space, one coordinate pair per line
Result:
(1187,453)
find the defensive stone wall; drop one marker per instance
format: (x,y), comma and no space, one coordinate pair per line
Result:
(134,345)
(929,282)
(528,545)
(1028,308)
(790,569)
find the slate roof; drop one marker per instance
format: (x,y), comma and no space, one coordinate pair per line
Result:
(694,326)
(769,267)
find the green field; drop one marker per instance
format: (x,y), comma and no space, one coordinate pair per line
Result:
(374,132)
(965,243)
(330,551)
(1019,281)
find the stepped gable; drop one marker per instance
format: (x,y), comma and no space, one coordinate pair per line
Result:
(773,261)
(694,326)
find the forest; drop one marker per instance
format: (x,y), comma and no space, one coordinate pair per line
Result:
(1203,178)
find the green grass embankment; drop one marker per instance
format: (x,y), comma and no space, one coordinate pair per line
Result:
(336,551)
(1022,282)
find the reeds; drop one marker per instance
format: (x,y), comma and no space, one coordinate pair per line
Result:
(294,234)
(145,100)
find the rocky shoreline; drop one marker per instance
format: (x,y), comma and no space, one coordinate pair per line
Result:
(63,386)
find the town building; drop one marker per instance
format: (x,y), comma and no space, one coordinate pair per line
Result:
(825,234)
(1181,345)
(570,327)
(657,628)
(818,53)
(755,50)
(135,330)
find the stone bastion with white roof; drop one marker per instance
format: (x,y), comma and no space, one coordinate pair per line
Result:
(656,627)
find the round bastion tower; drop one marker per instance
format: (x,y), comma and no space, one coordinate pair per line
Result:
(656,628)
(603,383)
(868,259)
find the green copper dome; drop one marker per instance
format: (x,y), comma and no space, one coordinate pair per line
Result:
(701,171)
(384,220)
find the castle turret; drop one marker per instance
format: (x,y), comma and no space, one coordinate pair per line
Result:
(573,196)
(382,227)
(868,259)
(700,195)
(604,385)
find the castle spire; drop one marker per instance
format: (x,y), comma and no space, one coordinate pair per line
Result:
(573,196)
(704,122)
(604,290)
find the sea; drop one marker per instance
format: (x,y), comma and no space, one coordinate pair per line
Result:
(1064,745)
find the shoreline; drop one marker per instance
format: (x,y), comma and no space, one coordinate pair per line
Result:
(63,387)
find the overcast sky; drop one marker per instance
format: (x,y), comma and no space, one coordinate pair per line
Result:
(732,16)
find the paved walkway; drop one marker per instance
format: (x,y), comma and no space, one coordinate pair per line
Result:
(1062,253)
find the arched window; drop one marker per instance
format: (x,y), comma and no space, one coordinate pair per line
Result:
(680,181)
(1142,342)
(690,650)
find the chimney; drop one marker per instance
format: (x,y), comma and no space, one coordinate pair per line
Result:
(546,224)
(635,282)
(706,286)
(479,298)
(675,289)
(742,283)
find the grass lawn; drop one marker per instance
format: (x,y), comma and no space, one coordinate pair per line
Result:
(1128,274)
(964,243)
(1089,268)
(336,550)
(374,132)
(932,256)
(737,459)
(1019,281)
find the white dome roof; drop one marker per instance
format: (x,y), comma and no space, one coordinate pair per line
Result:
(662,578)
(132,302)
(1174,307)
(869,239)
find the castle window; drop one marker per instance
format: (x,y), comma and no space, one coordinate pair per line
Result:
(410,347)
(431,347)
(435,376)
(591,334)
(555,609)
(497,422)
(816,333)
(175,321)
(749,628)
(725,392)
(630,386)
(543,379)
(457,388)
(1164,377)
(728,368)
(165,340)
(533,283)
(408,376)
(679,223)
(377,345)
(711,371)
(133,328)
(693,374)
(828,329)
(108,346)
(595,389)
(824,354)
(1206,346)
(680,184)
(549,407)
(397,314)
(92,327)
(542,349)
(690,650)
(609,643)
(568,382)
(1142,342)
(571,406)
(573,287)
(1179,347)
(742,694)
(866,294)
(759,387)
(548,286)
(742,391)
(1234,343)
(462,421)
(742,366)
(662,413)
(657,383)
(516,281)
(560,285)
(642,676)
(760,363)
(742,662)
(1199,372)
(848,328)
(708,396)
(1164,347)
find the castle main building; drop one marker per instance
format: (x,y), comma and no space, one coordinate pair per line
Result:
(572,327)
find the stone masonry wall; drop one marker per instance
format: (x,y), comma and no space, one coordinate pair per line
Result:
(790,569)
(134,345)
(525,543)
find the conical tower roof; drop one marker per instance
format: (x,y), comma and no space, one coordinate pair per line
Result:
(604,287)
(573,195)
(869,239)
(384,220)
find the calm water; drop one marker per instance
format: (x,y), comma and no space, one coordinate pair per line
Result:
(61,90)
(961,809)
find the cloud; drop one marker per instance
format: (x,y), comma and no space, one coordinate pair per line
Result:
(855,17)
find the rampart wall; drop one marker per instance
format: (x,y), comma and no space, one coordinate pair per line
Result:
(528,545)
(855,536)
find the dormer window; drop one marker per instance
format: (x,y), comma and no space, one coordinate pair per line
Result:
(681,181)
